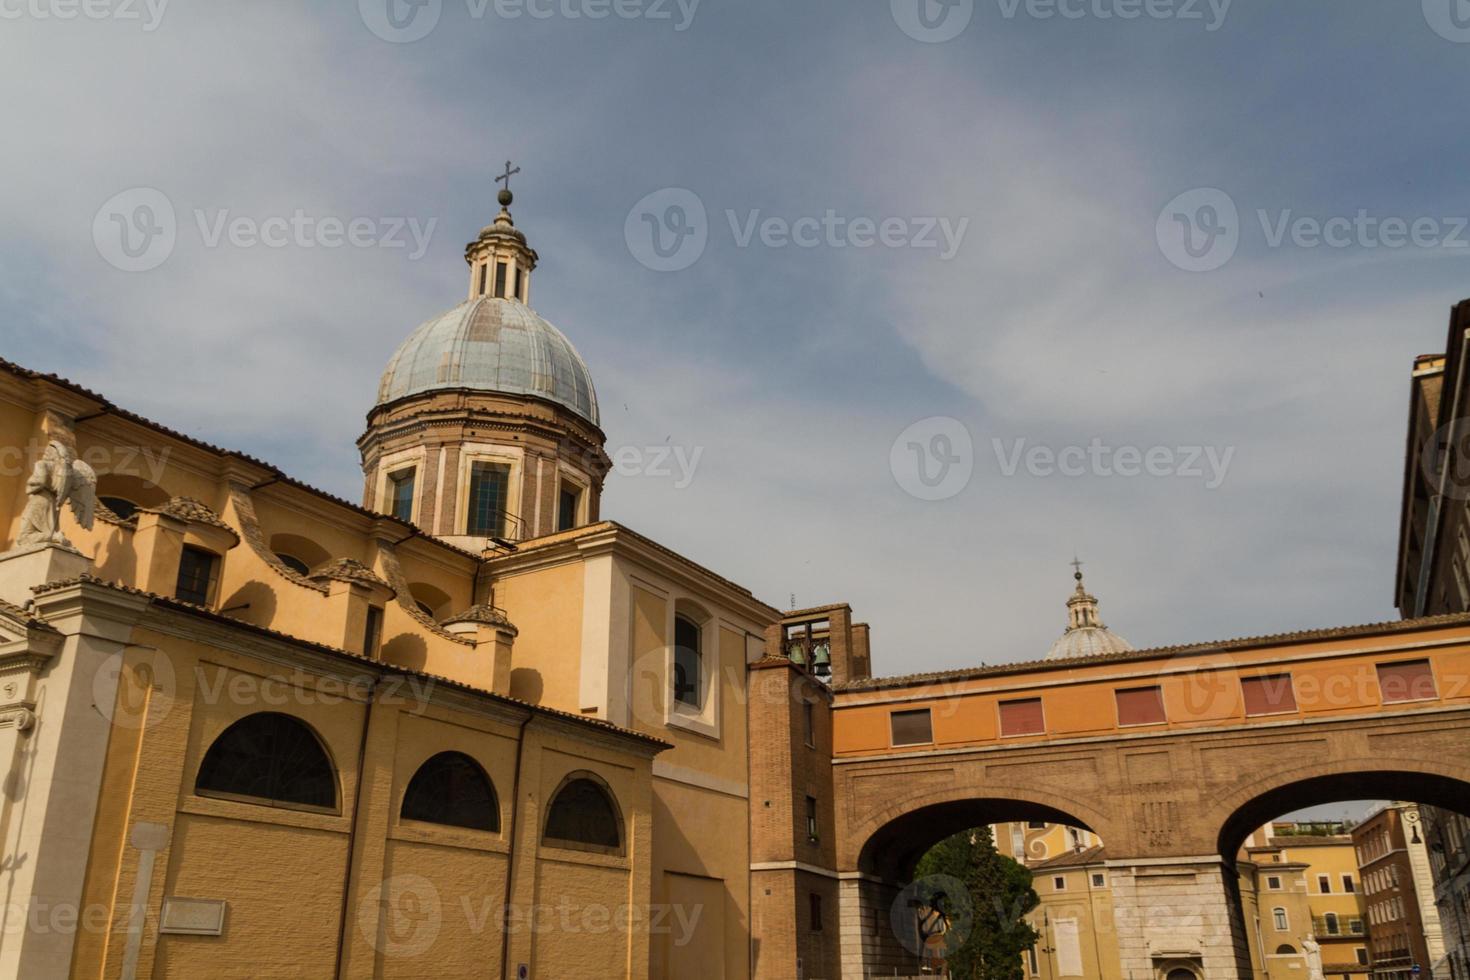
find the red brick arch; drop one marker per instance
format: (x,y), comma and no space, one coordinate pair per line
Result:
(939,813)
(1438,782)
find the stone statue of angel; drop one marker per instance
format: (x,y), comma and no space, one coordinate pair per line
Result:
(58,479)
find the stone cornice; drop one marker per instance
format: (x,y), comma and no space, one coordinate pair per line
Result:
(609,538)
(91,608)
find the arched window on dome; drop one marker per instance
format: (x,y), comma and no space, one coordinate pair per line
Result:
(584,816)
(269,758)
(451,789)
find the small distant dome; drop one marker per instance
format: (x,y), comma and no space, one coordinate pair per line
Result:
(1086,635)
(492,344)
(1087,642)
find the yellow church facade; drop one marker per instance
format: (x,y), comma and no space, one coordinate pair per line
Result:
(463,729)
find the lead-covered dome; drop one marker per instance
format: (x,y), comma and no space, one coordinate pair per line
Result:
(492,344)
(1086,635)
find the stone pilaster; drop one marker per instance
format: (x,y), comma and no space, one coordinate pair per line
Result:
(56,775)
(1178,912)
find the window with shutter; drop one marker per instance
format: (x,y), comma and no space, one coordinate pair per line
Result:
(1268,695)
(1406,680)
(912,727)
(1140,706)
(1022,717)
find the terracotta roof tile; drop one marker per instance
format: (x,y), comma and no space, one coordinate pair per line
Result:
(1218,646)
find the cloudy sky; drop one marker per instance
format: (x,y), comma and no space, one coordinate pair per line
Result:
(918,251)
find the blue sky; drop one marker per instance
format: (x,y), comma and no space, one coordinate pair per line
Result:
(1062,318)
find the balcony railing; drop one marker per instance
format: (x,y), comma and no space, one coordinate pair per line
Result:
(1330,928)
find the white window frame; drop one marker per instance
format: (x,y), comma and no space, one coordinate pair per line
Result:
(1280,920)
(566,476)
(484,453)
(706,719)
(412,458)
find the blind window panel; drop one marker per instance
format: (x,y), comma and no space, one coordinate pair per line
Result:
(1022,717)
(912,727)
(1268,695)
(1140,706)
(1407,680)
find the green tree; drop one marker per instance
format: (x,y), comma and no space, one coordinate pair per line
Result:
(999,896)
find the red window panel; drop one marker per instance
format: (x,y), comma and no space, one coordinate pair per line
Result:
(1140,706)
(1406,680)
(1022,717)
(1269,695)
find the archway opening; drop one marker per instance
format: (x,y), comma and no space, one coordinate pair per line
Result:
(1353,875)
(947,879)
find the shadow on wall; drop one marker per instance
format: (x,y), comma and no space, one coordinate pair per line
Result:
(253,603)
(121,562)
(407,650)
(527,685)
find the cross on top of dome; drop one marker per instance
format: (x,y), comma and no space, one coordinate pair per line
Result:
(505,196)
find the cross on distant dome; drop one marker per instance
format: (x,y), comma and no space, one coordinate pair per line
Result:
(509,173)
(1077,565)
(505,197)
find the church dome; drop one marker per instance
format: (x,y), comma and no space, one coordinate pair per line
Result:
(1085,636)
(1087,641)
(491,344)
